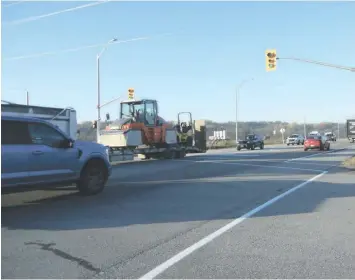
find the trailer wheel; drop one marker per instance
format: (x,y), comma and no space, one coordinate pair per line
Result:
(93,177)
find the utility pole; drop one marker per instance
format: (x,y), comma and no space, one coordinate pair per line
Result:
(27,98)
(304,127)
(236,107)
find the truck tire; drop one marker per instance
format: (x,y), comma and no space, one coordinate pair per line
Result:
(321,147)
(253,147)
(93,177)
(261,146)
(182,154)
(238,148)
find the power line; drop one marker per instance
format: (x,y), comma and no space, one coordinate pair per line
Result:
(79,48)
(34,18)
(12,4)
(352,69)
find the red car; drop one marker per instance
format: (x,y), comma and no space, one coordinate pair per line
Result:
(316,142)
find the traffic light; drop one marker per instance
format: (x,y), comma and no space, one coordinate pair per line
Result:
(130,93)
(270,59)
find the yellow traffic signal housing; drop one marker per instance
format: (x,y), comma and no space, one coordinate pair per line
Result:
(270,60)
(130,93)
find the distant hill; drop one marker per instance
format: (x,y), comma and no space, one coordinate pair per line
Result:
(244,128)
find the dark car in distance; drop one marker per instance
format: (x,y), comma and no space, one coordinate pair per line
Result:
(331,136)
(251,142)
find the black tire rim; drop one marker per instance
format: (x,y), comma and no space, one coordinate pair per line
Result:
(95,178)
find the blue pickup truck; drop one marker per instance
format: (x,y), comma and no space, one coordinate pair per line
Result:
(37,153)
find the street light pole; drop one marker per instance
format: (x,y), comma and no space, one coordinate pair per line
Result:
(98,89)
(27,98)
(236,107)
(304,127)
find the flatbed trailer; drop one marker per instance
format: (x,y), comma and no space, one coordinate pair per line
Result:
(117,155)
(120,150)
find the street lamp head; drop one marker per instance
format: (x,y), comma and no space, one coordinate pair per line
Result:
(113,40)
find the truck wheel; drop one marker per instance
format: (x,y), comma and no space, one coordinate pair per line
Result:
(288,144)
(239,148)
(92,178)
(181,154)
(253,147)
(261,146)
(305,149)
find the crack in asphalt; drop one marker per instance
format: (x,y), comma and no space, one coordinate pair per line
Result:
(82,262)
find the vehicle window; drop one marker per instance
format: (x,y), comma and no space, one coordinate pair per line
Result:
(42,134)
(294,135)
(150,113)
(14,133)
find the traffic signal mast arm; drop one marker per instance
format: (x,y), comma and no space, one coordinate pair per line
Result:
(352,69)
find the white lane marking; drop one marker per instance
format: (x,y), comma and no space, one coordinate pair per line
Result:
(260,165)
(183,254)
(312,155)
(313,163)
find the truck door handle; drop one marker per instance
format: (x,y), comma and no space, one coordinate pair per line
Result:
(37,153)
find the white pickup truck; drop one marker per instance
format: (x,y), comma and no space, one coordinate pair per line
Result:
(295,139)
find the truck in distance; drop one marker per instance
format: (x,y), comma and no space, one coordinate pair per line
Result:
(251,142)
(350,130)
(295,139)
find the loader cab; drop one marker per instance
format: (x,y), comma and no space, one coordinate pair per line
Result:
(141,111)
(185,123)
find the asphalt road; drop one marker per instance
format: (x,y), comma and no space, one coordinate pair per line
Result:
(200,217)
